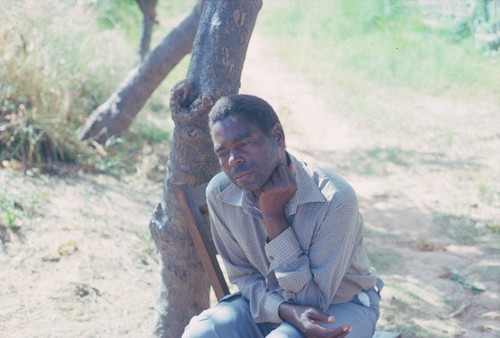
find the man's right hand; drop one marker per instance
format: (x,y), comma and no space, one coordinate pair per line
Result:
(273,196)
(306,319)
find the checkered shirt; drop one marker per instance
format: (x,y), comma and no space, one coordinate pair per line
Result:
(320,259)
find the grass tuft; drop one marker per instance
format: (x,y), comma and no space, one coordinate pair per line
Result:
(52,76)
(45,94)
(58,62)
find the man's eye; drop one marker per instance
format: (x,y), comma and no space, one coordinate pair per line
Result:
(222,154)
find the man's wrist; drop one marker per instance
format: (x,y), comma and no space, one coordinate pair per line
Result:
(275,223)
(274,215)
(282,311)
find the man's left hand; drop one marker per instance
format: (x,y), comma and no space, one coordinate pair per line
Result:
(306,319)
(273,197)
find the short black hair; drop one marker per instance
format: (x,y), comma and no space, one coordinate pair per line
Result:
(252,108)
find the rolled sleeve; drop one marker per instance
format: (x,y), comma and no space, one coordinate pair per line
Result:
(271,305)
(289,262)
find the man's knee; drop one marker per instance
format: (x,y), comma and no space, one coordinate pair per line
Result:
(222,320)
(200,329)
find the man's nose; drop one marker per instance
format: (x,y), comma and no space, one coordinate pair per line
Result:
(235,158)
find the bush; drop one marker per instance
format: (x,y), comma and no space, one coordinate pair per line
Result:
(52,76)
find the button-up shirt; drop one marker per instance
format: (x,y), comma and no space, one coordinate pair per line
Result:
(319,260)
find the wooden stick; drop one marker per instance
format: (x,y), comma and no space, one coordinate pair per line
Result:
(201,239)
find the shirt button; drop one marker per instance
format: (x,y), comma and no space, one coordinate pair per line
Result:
(271,258)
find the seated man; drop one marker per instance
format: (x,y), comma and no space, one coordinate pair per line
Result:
(290,236)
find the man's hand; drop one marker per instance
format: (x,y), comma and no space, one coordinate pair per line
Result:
(306,319)
(273,197)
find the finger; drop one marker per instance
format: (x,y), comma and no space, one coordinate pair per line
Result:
(345,331)
(275,178)
(292,168)
(320,316)
(268,185)
(270,181)
(339,332)
(321,332)
(283,174)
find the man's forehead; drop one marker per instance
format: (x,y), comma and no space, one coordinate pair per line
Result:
(225,131)
(232,124)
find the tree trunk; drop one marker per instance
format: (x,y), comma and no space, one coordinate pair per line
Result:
(148,9)
(215,70)
(115,115)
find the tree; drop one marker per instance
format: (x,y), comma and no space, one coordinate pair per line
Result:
(215,70)
(115,115)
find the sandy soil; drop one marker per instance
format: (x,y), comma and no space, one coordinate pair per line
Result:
(83,264)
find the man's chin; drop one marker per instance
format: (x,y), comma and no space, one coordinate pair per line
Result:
(249,186)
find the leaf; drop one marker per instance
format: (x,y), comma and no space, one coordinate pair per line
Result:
(425,245)
(462,280)
(68,248)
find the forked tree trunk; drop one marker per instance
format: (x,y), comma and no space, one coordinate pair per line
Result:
(215,70)
(115,115)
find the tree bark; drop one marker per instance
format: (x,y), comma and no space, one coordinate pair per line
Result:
(115,115)
(215,70)
(148,9)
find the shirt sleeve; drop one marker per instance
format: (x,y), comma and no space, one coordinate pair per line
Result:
(312,278)
(264,303)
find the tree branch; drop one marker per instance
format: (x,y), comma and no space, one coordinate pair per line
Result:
(115,115)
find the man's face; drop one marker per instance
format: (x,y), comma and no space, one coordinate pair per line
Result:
(246,154)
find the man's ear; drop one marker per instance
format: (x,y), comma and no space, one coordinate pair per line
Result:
(278,133)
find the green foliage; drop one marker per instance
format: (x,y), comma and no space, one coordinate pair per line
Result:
(380,42)
(462,280)
(51,76)
(11,213)
(59,60)
(120,15)
(14,209)
(467,231)
(152,130)
(385,261)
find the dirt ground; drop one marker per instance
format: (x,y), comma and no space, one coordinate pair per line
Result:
(83,263)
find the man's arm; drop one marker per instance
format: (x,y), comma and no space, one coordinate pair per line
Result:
(274,196)
(313,277)
(264,303)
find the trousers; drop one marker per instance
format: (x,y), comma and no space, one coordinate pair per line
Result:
(231,318)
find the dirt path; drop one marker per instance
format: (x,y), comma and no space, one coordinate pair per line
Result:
(83,264)
(430,204)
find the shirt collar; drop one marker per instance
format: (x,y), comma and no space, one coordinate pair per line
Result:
(307,190)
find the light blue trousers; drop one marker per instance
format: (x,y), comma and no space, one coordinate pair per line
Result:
(231,318)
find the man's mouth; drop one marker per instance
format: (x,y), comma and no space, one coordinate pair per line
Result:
(242,176)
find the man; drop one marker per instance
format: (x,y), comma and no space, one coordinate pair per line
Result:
(289,234)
